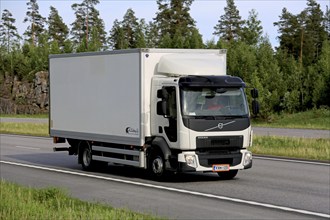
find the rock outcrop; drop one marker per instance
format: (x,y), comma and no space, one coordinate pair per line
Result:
(22,97)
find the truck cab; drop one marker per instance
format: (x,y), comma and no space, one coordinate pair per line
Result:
(204,122)
(201,122)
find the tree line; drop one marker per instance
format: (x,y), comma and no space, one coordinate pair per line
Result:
(293,77)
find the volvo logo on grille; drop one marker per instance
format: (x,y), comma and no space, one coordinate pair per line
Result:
(220,126)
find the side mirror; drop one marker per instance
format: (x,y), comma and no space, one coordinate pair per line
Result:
(254,93)
(255,107)
(162,108)
(162,94)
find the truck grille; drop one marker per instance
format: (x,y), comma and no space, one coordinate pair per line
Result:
(219,150)
(219,142)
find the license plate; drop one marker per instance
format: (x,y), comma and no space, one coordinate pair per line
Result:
(220,167)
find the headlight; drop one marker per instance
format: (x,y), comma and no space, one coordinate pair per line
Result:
(247,158)
(191,160)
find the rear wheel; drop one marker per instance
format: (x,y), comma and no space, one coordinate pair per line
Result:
(86,158)
(228,175)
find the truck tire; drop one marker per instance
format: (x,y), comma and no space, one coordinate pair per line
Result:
(156,164)
(86,158)
(228,175)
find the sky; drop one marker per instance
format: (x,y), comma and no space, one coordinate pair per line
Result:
(206,13)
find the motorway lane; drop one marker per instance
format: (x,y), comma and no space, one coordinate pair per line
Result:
(295,185)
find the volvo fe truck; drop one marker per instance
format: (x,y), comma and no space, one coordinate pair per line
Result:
(158,109)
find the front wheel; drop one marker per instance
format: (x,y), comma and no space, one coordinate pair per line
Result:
(156,165)
(228,175)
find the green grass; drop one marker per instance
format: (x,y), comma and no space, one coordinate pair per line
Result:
(26,128)
(312,119)
(19,202)
(24,116)
(303,148)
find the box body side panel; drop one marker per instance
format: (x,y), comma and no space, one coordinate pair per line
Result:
(97,96)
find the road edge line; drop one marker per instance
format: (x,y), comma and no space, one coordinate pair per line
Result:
(225,198)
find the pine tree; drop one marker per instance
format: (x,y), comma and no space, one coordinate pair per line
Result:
(87,17)
(129,33)
(95,44)
(117,39)
(252,30)
(174,23)
(130,27)
(98,23)
(163,19)
(37,22)
(180,16)
(58,31)
(292,73)
(270,76)
(327,21)
(315,32)
(140,34)
(321,93)
(230,24)
(196,40)
(151,35)
(287,27)
(8,31)
(302,35)
(211,44)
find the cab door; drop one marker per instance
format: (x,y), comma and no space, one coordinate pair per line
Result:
(166,115)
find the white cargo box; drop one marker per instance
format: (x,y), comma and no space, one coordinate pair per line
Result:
(105,96)
(96,97)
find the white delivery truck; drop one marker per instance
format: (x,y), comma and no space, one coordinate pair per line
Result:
(157,109)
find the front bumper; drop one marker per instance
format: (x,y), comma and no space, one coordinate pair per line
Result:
(190,161)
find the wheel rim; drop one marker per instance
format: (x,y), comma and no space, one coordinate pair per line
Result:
(87,157)
(157,166)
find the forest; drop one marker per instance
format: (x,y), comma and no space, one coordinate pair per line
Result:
(293,77)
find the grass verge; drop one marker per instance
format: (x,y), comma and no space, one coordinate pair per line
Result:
(303,148)
(19,202)
(24,116)
(312,119)
(37,129)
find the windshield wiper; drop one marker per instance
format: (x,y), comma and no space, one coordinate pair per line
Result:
(232,116)
(216,117)
(207,117)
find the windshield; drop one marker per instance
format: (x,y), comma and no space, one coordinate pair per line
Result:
(213,102)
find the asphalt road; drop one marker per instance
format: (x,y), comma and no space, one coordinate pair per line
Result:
(272,189)
(262,131)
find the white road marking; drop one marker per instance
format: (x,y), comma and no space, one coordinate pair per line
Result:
(292,160)
(30,148)
(225,198)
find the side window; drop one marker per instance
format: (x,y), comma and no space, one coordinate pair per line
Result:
(167,106)
(171,102)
